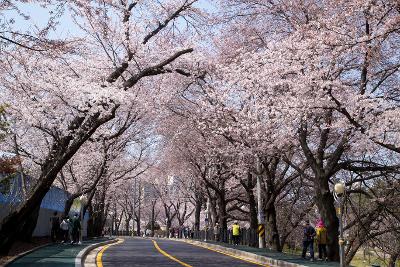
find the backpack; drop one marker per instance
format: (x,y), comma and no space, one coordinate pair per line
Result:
(55,222)
(309,233)
(64,225)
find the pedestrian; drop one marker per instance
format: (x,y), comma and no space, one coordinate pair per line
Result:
(70,227)
(65,229)
(192,232)
(322,240)
(308,240)
(236,233)
(216,232)
(55,227)
(76,228)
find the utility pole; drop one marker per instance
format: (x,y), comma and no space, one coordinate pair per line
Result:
(261,223)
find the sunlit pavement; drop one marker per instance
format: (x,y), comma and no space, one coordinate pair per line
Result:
(142,252)
(61,255)
(145,252)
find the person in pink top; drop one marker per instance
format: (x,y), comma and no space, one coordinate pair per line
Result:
(322,240)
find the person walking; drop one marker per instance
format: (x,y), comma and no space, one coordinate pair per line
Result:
(55,227)
(76,228)
(65,229)
(236,233)
(70,227)
(216,232)
(308,240)
(322,240)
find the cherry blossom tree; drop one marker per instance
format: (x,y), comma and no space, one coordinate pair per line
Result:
(66,95)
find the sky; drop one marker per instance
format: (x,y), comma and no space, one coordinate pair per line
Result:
(39,16)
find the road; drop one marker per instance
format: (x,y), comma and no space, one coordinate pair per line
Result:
(165,253)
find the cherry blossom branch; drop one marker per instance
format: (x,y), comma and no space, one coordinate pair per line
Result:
(20,44)
(162,25)
(155,70)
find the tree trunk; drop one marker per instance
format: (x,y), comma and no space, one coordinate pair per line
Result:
(168,227)
(90,232)
(67,206)
(60,153)
(152,218)
(197,214)
(252,215)
(14,224)
(29,226)
(393,259)
(325,203)
(272,228)
(213,214)
(127,226)
(222,216)
(138,226)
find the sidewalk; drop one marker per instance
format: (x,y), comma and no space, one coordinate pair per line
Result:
(276,256)
(62,255)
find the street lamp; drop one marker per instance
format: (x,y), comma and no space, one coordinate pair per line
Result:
(340,194)
(83,200)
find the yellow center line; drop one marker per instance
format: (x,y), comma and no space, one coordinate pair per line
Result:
(169,256)
(231,255)
(99,261)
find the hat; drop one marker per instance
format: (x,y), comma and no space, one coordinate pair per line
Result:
(320,223)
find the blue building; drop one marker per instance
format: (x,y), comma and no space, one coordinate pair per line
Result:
(54,201)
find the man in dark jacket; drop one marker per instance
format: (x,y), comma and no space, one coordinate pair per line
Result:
(55,227)
(308,240)
(76,228)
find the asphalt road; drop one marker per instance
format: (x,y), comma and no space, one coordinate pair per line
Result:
(142,252)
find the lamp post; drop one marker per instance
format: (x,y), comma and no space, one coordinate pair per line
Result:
(340,194)
(83,200)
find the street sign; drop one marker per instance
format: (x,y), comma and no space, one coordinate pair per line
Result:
(261,230)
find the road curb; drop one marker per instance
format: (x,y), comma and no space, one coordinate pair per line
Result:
(244,254)
(80,258)
(20,255)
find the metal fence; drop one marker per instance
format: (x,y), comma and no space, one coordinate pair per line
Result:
(247,237)
(122,233)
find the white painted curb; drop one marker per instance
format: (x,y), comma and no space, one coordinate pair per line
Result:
(80,258)
(244,254)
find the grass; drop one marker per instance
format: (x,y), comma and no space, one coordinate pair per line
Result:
(358,261)
(371,259)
